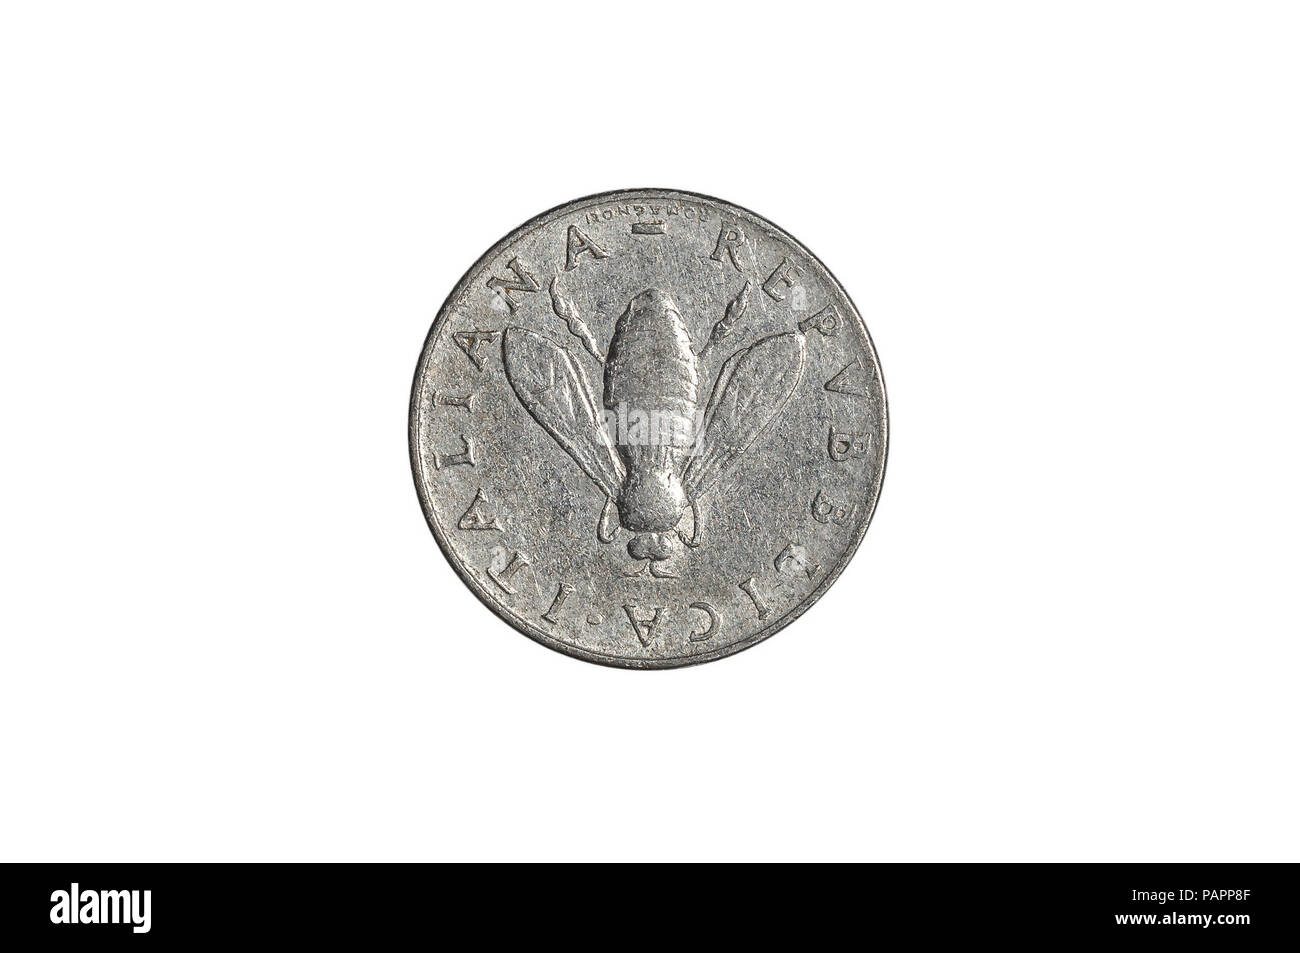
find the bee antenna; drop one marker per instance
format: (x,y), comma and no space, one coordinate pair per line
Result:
(606,526)
(694,539)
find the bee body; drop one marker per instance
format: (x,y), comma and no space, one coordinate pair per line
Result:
(652,382)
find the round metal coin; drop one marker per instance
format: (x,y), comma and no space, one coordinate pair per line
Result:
(648,428)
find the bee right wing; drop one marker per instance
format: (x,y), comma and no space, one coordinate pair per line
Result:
(555,392)
(752,389)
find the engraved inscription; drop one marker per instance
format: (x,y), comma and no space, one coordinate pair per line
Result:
(644,628)
(465,402)
(578,243)
(517,562)
(471,341)
(703,635)
(747,587)
(464,458)
(850,380)
(794,559)
(825,511)
(477,516)
(611,212)
(730,238)
(827,321)
(847,445)
(521,283)
(552,614)
(781,277)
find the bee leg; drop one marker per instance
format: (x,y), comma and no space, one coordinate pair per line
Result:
(694,539)
(637,572)
(654,571)
(607,526)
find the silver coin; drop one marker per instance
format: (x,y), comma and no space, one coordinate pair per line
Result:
(648,428)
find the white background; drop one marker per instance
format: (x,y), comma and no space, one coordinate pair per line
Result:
(1071,633)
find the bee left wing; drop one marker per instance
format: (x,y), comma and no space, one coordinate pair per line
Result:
(752,389)
(555,392)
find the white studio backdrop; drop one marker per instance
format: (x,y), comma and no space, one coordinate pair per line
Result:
(1070,634)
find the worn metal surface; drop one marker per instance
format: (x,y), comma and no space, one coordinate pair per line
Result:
(648,428)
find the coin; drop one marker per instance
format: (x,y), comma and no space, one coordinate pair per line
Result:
(648,428)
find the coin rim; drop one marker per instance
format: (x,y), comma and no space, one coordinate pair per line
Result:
(516,621)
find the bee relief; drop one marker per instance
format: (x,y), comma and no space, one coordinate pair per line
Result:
(652,446)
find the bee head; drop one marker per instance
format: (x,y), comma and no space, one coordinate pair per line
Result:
(656,546)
